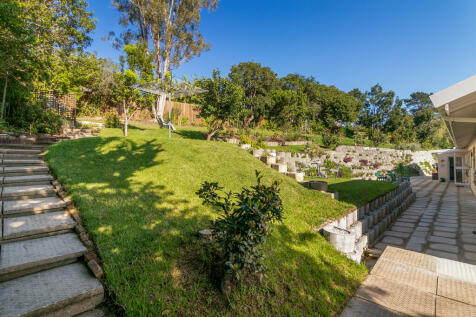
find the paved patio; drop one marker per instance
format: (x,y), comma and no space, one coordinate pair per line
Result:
(440,222)
(407,283)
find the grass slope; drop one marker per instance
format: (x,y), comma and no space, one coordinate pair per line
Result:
(137,198)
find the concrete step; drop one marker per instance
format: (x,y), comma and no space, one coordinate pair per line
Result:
(23,170)
(21,156)
(63,291)
(36,225)
(16,162)
(26,180)
(13,149)
(14,208)
(35,255)
(27,192)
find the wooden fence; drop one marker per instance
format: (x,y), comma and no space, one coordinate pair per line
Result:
(182,114)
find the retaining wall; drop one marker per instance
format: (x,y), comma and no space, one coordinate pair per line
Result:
(352,233)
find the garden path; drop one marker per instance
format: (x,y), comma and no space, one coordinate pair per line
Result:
(39,251)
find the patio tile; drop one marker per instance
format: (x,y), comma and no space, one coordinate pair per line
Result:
(444,234)
(469,247)
(442,240)
(444,247)
(442,254)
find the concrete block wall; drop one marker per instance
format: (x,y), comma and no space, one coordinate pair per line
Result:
(352,233)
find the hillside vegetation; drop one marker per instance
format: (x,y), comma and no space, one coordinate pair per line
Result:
(137,198)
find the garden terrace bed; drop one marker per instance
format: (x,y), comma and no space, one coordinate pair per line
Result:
(137,199)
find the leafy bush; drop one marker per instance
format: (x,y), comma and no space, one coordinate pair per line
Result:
(314,150)
(243,226)
(32,117)
(112,121)
(330,139)
(345,172)
(376,136)
(364,162)
(244,139)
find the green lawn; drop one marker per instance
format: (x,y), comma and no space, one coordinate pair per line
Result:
(355,191)
(137,198)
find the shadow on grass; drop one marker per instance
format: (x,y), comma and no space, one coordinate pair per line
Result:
(134,127)
(146,237)
(191,134)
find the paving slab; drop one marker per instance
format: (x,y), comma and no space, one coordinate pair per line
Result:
(444,247)
(444,234)
(33,205)
(401,298)
(457,270)
(37,224)
(63,291)
(421,279)
(457,290)
(441,240)
(32,254)
(397,234)
(442,254)
(410,258)
(12,192)
(450,308)
(358,307)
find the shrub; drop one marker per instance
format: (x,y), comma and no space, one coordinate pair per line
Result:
(112,121)
(33,118)
(241,229)
(375,166)
(244,139)
(347,159)
(363,162)
(313,150)
(345,172)
(330,139)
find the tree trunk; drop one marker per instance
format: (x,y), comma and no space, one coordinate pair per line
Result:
(210,135)
(2,109)
(248,121)
(126,118)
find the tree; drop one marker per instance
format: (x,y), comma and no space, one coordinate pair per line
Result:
(376,107)
(337,107)
(221,103)
(258,83)
(289,108)
(172,26)
(33,34)
(127,94)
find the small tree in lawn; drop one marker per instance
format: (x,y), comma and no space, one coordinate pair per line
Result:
(221,104)
(127,94)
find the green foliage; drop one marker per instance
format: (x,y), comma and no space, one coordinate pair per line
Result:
(112,121)
(314,150)
(330,139)
(33,118)
(345,171)
(244,139)
(243,225)
(221,104)
(258,83)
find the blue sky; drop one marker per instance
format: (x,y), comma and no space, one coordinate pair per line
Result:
(405,45)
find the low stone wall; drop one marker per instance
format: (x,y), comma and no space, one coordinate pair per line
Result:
(352,233)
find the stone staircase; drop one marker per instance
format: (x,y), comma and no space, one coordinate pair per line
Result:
(41,273)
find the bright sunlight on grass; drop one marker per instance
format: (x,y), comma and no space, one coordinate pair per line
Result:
(137,198)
